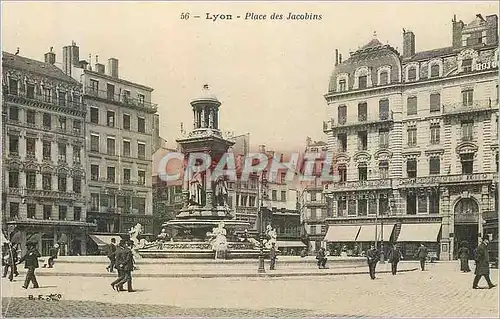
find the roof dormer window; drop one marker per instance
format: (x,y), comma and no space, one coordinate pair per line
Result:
(342,85)
(412,74)
(362,82)
(434,70)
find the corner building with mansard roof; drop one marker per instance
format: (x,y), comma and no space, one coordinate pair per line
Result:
(416,143)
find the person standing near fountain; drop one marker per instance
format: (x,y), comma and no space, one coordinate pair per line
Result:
(372,256)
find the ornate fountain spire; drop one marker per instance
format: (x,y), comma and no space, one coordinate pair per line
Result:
(206,110)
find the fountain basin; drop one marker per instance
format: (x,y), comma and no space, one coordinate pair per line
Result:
(197,249)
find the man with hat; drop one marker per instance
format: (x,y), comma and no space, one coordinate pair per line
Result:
(53,255)
(126,265)
(10,261)
(482,264)
(30,260)
(118,257)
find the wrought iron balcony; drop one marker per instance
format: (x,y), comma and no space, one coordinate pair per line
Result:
(41,100)
(357,185)
(475,106)
(342,121)
(440,179)
(120,99)
(41,193)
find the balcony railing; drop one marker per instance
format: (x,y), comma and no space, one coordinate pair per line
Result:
(438,179)
(22,97)
(52,194)
(354,185)
(342,121)
(122,99)
(476,106)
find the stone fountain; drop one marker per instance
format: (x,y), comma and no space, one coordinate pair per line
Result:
(205,227)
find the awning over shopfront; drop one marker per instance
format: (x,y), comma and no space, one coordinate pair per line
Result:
(289,243)
(103,240)
(367,232)
(419,232)
(342,233)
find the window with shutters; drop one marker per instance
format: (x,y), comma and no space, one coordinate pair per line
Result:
(435,102)
(434,165)
(412,136)
(435,133)
(342,86)
(342,142)
(342,173)
(467,130)
(362,112)
(362,141)
(111,145)
(411,105)
(411,168)
(467,97)
(383,138)
(383,168)
(94,172)
(111,174)
(362,172)
(94,143)
(383,109)
(342,114)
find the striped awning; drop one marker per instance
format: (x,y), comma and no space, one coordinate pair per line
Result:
(342,233)
(419,232)
(103,240)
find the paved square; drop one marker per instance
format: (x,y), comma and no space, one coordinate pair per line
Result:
(440,291)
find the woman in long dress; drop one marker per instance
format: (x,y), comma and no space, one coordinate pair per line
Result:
(463,254)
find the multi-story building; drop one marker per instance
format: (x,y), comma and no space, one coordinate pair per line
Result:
(43,155)
(416,137)
(312,201)
(119,131)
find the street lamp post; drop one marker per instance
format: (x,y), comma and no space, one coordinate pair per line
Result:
(261,268)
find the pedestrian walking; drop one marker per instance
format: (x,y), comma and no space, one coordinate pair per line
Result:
(394,257)
(53,252)
(111,255)
(118,256)
(321,257)
(273,256)
(482,264)
(422,255)
(30,260)
(372,256)
(10,261)
(463,255)
(127,266)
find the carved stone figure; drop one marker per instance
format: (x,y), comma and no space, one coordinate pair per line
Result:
(271,236)
(218,240)
(195,190)
(221,194)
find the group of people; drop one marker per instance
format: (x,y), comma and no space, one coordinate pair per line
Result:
(11,259)
(482,261)
(121,258)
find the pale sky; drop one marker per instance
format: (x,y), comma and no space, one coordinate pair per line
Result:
(269,75)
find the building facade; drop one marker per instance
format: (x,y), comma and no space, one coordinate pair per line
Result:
(120,124)
(416,137)
(43,155)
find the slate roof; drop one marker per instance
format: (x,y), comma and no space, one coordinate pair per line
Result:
(372,44)
(424,55)
(33,66)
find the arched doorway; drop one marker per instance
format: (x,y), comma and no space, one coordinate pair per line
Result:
(466,226)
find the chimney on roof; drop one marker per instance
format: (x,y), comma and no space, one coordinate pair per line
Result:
(113,67)
(99,67)
(336,57)
(262,149)
(408,44)
(492,29)
(71,57)
(457,27)
(50,57)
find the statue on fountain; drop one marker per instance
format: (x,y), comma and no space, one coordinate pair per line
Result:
(218,240)
(221,194)
(195,190)
(134,232)
(271,236)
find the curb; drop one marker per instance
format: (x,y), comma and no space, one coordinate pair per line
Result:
(222,275)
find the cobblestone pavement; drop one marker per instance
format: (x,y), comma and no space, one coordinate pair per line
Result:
(440,291)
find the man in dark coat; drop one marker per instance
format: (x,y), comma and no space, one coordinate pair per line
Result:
(463,254)
(111,255)
(394,257)
(30,260)
(118,256)
(127,266)
(422,255)
(272,256)
(321,257)
(482,264)
(10,261)
(372,256)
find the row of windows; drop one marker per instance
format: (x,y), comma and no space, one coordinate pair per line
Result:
(62,182)
(466,160)
(111,95)
(111,120)
(362,111)
(47,211)
(31,119)
(111,175)
(43,93)
(14,149)
(111,146)
(125,203)
(245,201)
